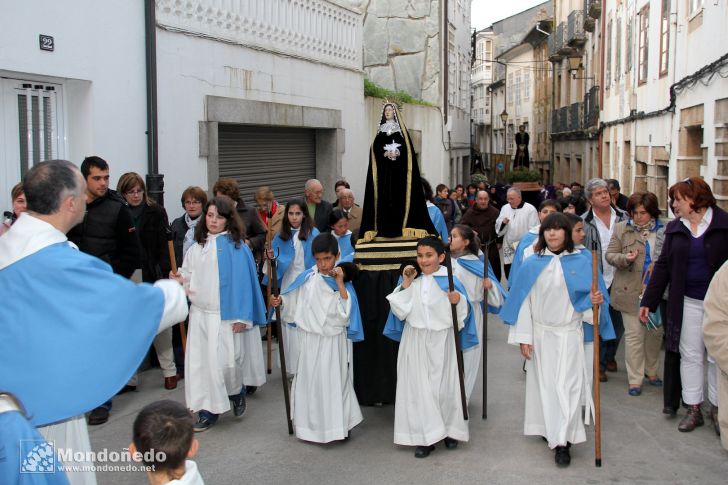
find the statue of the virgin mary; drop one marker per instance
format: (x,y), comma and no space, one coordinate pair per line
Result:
(394,202)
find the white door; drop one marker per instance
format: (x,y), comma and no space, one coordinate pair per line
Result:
(31,124)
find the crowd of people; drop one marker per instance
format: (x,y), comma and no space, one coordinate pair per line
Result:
(659,283)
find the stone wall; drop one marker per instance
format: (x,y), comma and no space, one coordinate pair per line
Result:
(402,48)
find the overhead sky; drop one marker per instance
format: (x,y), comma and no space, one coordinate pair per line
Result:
(484,12)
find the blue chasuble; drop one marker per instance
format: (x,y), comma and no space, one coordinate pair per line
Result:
(76,350)
(476,268)
(240,296)
(285,253)
(577,269)
(355,330)
(346,250)
(438,220)
(525,242)
(468,334)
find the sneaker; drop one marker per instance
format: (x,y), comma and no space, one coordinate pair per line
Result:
(250,390)
(424,451)
(562,457)
(450,443)
(239,405)
(98,416)
(203,424)
(692,420)
(635,391)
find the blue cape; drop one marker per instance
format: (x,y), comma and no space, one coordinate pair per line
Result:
(476,267)
(525,242)
(285,253)
(17,442)
(468,335)
(438,220)
(73,332)
(346,250)
(355,331)
(240,296)
(577,270)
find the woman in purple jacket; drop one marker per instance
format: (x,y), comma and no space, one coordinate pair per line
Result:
(696,245)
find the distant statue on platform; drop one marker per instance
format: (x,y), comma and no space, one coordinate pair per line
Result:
(394,204)
(521,160)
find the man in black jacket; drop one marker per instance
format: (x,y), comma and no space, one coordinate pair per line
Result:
(318,208)
(107,232)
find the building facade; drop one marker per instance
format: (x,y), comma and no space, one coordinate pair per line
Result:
(269,92)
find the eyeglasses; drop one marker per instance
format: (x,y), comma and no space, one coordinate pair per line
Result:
(135,192)
(193,202)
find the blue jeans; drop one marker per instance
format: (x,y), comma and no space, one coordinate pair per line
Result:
(608,348)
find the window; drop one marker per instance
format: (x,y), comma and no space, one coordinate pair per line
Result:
(608,79)
(618,53)
(694,6)
(526,85)
(510,88)
(664,36)
(642,48)
(628,46)
(517,92)
(479,52)
(452,68)
(488,50)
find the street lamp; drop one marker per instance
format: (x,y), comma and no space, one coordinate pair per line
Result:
(575,65)
(504,117)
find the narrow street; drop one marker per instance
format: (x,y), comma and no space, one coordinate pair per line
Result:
(639,444)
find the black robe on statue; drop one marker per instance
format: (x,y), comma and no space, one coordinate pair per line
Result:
(394,216)
(393,197)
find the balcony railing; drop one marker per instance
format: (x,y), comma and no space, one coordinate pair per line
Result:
(576,36)
(556,43)
(316,30)
(575,116)
(560,120)
(591,108)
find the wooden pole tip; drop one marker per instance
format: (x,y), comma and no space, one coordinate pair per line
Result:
(599,462)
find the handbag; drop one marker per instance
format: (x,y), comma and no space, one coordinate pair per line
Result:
(654,319)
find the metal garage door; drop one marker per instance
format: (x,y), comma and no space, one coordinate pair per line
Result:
(282,158)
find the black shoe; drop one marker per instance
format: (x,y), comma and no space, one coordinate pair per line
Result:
(562,458)
(424,451)
(202,424)
(669,410)
(98,416)
(250,390)
(451,444)
(126,389)
(239,405)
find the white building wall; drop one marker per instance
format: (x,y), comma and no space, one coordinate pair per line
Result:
(99,65)
(259,50)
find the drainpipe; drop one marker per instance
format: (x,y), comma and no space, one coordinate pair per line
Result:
(155,180)
(601,85)
(446,61)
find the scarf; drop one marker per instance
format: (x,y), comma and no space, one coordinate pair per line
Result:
(644,229)
(190,234)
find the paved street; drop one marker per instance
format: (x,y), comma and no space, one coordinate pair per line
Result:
(639,445)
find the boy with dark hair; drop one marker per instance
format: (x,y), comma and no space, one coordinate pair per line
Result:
(427,407)
(163,439)
(323,403)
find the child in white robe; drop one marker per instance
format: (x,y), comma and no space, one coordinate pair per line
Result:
(465,246)
(428,408)
(165,427)
(548,329)
(292,249)
(324,407)
(215,346)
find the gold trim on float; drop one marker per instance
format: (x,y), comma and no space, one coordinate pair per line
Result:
(378,267)
(410,232)
(410,253)
(369,235)
(384,245)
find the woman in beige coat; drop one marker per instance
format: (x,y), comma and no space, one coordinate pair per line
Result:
(634,247)
(715,330)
